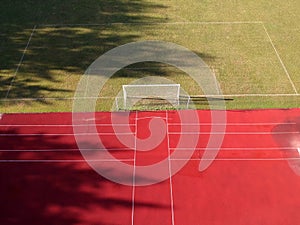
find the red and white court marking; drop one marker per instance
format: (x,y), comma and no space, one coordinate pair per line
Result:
(254,179)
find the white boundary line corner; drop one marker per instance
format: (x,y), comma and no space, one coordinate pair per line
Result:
(280,60)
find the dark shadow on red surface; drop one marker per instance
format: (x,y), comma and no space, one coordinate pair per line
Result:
(61,193)
(234,190)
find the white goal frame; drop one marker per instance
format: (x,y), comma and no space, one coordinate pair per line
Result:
(159,92)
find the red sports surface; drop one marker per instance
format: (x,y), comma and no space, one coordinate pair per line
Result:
(254,179)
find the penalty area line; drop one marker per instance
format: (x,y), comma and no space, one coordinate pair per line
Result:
(153,23)
(20,62)
(280,60)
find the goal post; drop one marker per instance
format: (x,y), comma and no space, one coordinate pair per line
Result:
(151,94)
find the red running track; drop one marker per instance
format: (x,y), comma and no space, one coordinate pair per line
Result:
(254,179)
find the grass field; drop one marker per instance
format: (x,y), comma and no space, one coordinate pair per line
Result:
(252,47)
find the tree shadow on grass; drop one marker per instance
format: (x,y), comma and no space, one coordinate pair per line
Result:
(57,52)
(32,12)
(68,37)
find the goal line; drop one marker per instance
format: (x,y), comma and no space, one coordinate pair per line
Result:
(113,97)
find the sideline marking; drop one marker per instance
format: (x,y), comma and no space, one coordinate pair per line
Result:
(193,96)
(20,63)
(280,60)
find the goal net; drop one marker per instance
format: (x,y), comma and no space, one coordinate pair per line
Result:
(151,96)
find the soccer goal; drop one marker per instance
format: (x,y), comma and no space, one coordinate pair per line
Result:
(151,96)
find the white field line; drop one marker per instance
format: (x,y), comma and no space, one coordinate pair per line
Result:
(64,150)
(61,160)
(170,133)
(87,84)
(20,62)
(153,23)
(246,159)
(197,22)
(172,124)
(230,124)
(193,96)
(151,117)
(171,148)
(131,160)
(280,60)
(249,95)
(170,173)
(134,171)
(66,125)
(235,133)
(236,148)
(61,134)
